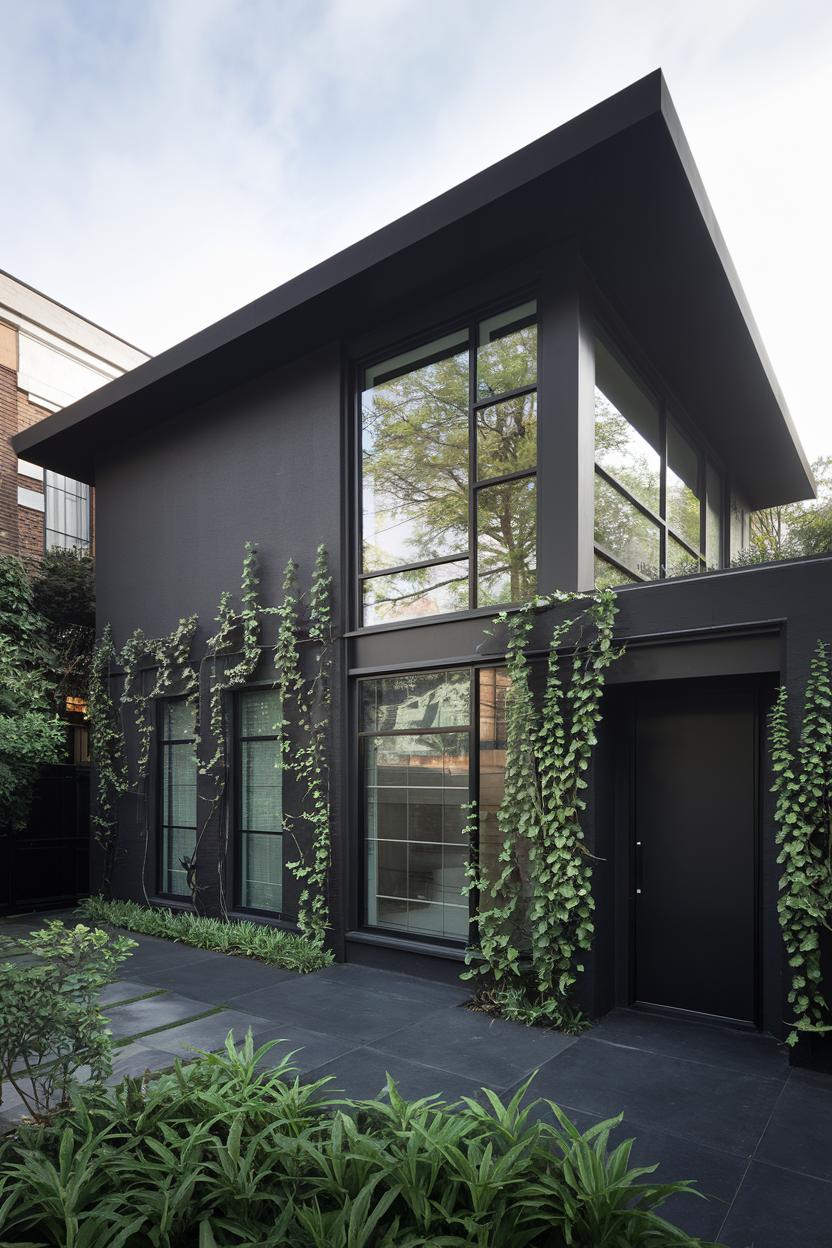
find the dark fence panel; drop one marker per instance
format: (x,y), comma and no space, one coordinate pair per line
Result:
(47,864)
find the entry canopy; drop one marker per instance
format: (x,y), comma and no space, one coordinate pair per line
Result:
(620,179)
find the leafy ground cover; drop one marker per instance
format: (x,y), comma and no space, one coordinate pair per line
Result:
(229,1152)
(249,940)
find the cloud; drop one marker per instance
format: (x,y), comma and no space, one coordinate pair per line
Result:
(176,158)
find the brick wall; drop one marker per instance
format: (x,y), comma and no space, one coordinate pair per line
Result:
(30,533)
(8,463)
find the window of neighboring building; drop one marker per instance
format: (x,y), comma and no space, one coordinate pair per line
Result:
(449,457)
(658,501)
(260,804)
(178,807)
(67,513)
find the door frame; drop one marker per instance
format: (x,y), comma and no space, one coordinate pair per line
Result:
(766,970)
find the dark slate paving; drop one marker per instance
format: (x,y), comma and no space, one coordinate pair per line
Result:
(746,1051)
(162,1011)
(206,1033)
(362,1074)
(217,982)
(309,1049)
(124,990)
(334,1008)
(419,991)
(779,1209)
(719,1108)
(135,1059)
(488,1050)
(799,1135)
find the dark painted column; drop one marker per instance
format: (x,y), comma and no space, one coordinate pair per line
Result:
(566,437)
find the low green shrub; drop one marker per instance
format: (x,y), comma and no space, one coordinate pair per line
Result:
(224,1153)
(248,940)
(51,1024)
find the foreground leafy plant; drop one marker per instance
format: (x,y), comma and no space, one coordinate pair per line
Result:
(227,1151)
(535,914)
(51,1023)
(803,785)
(248,940)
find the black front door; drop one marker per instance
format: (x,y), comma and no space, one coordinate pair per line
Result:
(695,849)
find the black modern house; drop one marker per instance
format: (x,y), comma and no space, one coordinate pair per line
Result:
(547,378)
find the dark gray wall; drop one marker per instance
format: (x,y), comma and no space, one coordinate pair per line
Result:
(262,462)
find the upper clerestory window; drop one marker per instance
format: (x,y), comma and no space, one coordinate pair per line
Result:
(658,501)
(449,460)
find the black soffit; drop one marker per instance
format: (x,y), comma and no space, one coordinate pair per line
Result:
(621,180)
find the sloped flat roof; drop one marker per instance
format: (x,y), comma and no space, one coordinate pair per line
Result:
(619,178)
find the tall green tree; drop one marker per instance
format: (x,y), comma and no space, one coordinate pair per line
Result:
(30,731)
(797,529)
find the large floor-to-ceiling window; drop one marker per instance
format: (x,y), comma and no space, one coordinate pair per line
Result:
(658,499)
(449,458)
(429,743)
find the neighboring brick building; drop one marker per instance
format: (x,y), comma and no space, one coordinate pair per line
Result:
(49,357)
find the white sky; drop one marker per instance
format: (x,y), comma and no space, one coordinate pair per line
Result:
(166,161)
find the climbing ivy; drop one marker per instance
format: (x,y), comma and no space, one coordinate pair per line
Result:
(535,912)
(304,732)
(154,668)
(107,750)
(803,814)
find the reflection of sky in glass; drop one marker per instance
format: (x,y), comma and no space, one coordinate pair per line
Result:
(625,454)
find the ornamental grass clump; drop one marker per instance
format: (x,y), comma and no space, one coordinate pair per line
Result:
(51,1024)
(233,1150)
(240,938)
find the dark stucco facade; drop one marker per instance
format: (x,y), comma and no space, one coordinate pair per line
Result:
(251,432)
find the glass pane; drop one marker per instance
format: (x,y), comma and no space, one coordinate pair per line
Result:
(262,872)
(713,518)
(627,430)
(423,700)
(178,720)
(507,436)
(416,791)
(424,591)
(179,786)
(415,456)
(625,531)
(494,684)
(259,712)
(680,562)
(507,351)
(261,786)
(177,846)
(683,507)
(607,575)
(507,542)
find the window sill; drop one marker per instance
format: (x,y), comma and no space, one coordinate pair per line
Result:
(451,953)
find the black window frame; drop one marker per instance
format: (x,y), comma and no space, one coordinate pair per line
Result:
(75,542)
(668,413)
(163,741)
(470,324)
(238,831)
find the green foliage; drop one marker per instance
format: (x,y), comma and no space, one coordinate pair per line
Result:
(107,751)
(248,940)
(227,1152)
(796,529)
(535,914)
(30,731)
(63,592)
(304,734)
(51,1023)
(803,785)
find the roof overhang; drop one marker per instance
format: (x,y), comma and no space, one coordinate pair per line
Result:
(620,179)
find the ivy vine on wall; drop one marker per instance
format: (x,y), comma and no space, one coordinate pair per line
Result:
(154,668)
(535,918)
(803,814)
